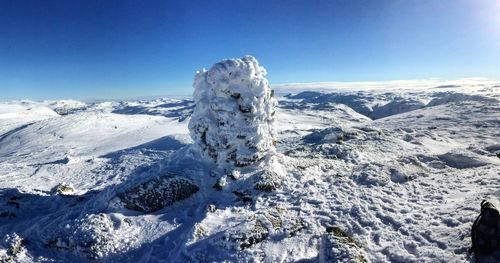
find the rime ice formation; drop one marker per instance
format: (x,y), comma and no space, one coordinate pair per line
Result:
(233,121)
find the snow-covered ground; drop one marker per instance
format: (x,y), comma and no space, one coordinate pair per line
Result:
(373,172)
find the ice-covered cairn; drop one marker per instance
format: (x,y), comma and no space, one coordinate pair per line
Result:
(233,121)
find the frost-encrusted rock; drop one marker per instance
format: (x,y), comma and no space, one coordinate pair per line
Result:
(246,235)
(270,174)
(283,221)
(337,246)
(233,121)
(221,183)
(91,236)
(275,221)
(267,181)
(11,248)
(158,193)
(64,189)
(199,231)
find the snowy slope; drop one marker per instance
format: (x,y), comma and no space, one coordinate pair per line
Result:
(14,115)
(379,175)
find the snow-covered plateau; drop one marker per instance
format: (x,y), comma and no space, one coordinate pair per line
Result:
(371,172)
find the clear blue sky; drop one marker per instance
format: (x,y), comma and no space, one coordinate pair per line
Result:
(118,48)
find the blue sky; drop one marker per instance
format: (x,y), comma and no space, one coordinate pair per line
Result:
(52,49)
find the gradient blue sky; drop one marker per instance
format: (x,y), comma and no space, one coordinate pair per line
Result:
(52,49)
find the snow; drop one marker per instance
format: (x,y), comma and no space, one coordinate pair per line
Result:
(402,186)
(233,121)
(16,114)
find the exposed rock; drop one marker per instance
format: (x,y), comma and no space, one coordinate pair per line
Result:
(283,221)
(211,208)
(158,193)
(64,189)
(200,231)
(243,196)
(91,236)
(221,183)
(338,246)
(247,235)
(274,218)
(259,227)
(234,174)
(11,247)
(267,181)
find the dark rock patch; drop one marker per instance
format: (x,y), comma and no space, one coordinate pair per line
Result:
(91,236)
(10,248)
(158,193)
(267,181)
(338,246)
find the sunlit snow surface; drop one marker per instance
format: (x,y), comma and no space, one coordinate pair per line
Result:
(401,171)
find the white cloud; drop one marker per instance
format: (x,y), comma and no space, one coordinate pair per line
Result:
(465,83)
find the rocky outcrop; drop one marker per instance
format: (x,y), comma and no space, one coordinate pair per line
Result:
(260,226)
(158,193)
(91,236)
(267,181)
(338,246)
(11,247)
(64,189)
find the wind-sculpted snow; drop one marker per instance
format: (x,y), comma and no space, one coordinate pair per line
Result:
(233,121)
(179,109)
(16,115)
(340,186)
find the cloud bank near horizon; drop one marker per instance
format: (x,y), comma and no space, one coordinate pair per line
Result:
(465,83)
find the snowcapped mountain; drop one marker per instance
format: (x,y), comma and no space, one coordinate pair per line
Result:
(369,174)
